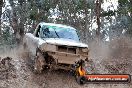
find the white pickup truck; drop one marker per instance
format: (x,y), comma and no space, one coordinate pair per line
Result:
(56,46)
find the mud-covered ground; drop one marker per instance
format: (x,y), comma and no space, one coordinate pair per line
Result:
(114,57)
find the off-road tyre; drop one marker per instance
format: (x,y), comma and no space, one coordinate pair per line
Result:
(81,80)
(39,63)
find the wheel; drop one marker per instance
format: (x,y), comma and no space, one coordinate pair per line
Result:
(81,80)
(79,75)
(39,63)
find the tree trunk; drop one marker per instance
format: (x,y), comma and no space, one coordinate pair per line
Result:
(98,11)
(1,4)
(86,29)
(14,21)
(18,27)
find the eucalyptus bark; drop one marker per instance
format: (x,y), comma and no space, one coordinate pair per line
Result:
(1,4)
(98,12)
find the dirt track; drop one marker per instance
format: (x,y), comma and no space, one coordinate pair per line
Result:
(21,76)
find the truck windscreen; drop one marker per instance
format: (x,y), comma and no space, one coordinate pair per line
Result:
(48,31)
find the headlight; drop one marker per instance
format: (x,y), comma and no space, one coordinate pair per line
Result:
(48,47)
(85,50)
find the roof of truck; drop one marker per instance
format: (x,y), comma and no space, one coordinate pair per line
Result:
(58,25)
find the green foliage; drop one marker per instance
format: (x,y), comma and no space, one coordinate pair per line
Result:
(7,37)
(78,13)
(108,13)
(123,2)
(130,9)
(81,4)
(125,9)
(46,5)
(33,13)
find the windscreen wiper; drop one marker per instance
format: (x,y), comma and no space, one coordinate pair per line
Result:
(56,33)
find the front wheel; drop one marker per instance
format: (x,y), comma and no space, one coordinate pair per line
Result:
(39,62)
(81,80)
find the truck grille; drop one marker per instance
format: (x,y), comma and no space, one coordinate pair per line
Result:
(67,49)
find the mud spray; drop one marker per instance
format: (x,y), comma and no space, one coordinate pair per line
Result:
(112,57)
(109,57)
